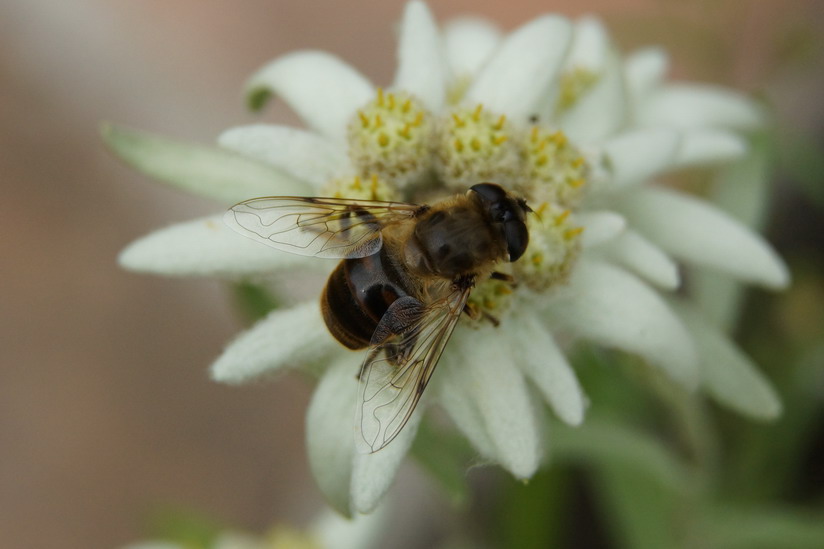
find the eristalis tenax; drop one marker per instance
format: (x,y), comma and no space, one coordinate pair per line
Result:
(405,278)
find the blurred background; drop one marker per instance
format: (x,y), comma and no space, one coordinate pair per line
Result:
(107,416)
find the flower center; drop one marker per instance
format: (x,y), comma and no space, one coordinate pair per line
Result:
(473,145)
(554,245)
(373,188)
(575,83)
(555,170)
(391,137)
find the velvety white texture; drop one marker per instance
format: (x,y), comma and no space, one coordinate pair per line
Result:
(214,173)
(522,68)
(481,375)
(544,364)
(207,247)
(727,373)
(607,305)
(330,431)
(697,232)
(285,338)
(305,155)
(422,65)
(468,43)
(639,255)
(633,157)
(323,90)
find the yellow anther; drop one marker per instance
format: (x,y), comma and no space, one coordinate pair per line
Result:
(500,139)
(475,144)
(533,136)
(374,186)
(356,183)
(378,121)
(569,234)
(364,119)
(418,119)
(406,106)
(541,208)
(459,146)
(577,182)
(537,259)
(559,138)
(562,217)
(380,97)
(476,115)
(503,290)
(578,162)
(391,102)
(404,132)
(541,160)
(383,139)
(542,145)
(458,121)
(500,123)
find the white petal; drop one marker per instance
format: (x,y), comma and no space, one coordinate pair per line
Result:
(590,45)
(612,307)
(422,69)
(360,532)
(206,171)
(697,106)
(642,257)
(287,337)
(520,71)
(599,226)
(494,392)
(706,147)
(305,155)
(547,367)
(469,42)
(330,440)
(458,403)
(635,156)
(373,474)
(600,112)
(207,247)
(644,71)
(697,232)
(728,374)
(323,90)
(742,189)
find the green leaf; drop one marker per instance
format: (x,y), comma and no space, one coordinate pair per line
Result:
(600,441)
(254,301)
(212,172)
(732,527)
(445,457)
(185,527)
(640,512)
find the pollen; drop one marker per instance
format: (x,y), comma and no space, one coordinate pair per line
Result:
(391,136)
(475,144)
(491,299)
(371,187)
(554,245)
(575,83)
(554,169)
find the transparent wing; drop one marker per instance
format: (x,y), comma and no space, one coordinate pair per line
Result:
(397,370)
(321,227)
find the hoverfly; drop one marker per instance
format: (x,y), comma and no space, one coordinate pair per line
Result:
(406,273)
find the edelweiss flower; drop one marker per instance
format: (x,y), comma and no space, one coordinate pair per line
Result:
(550,110)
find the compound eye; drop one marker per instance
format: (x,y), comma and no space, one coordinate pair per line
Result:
(490,192)
(517,238)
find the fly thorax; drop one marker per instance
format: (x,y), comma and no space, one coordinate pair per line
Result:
(453,242)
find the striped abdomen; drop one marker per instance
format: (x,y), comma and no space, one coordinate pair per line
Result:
(358,293)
